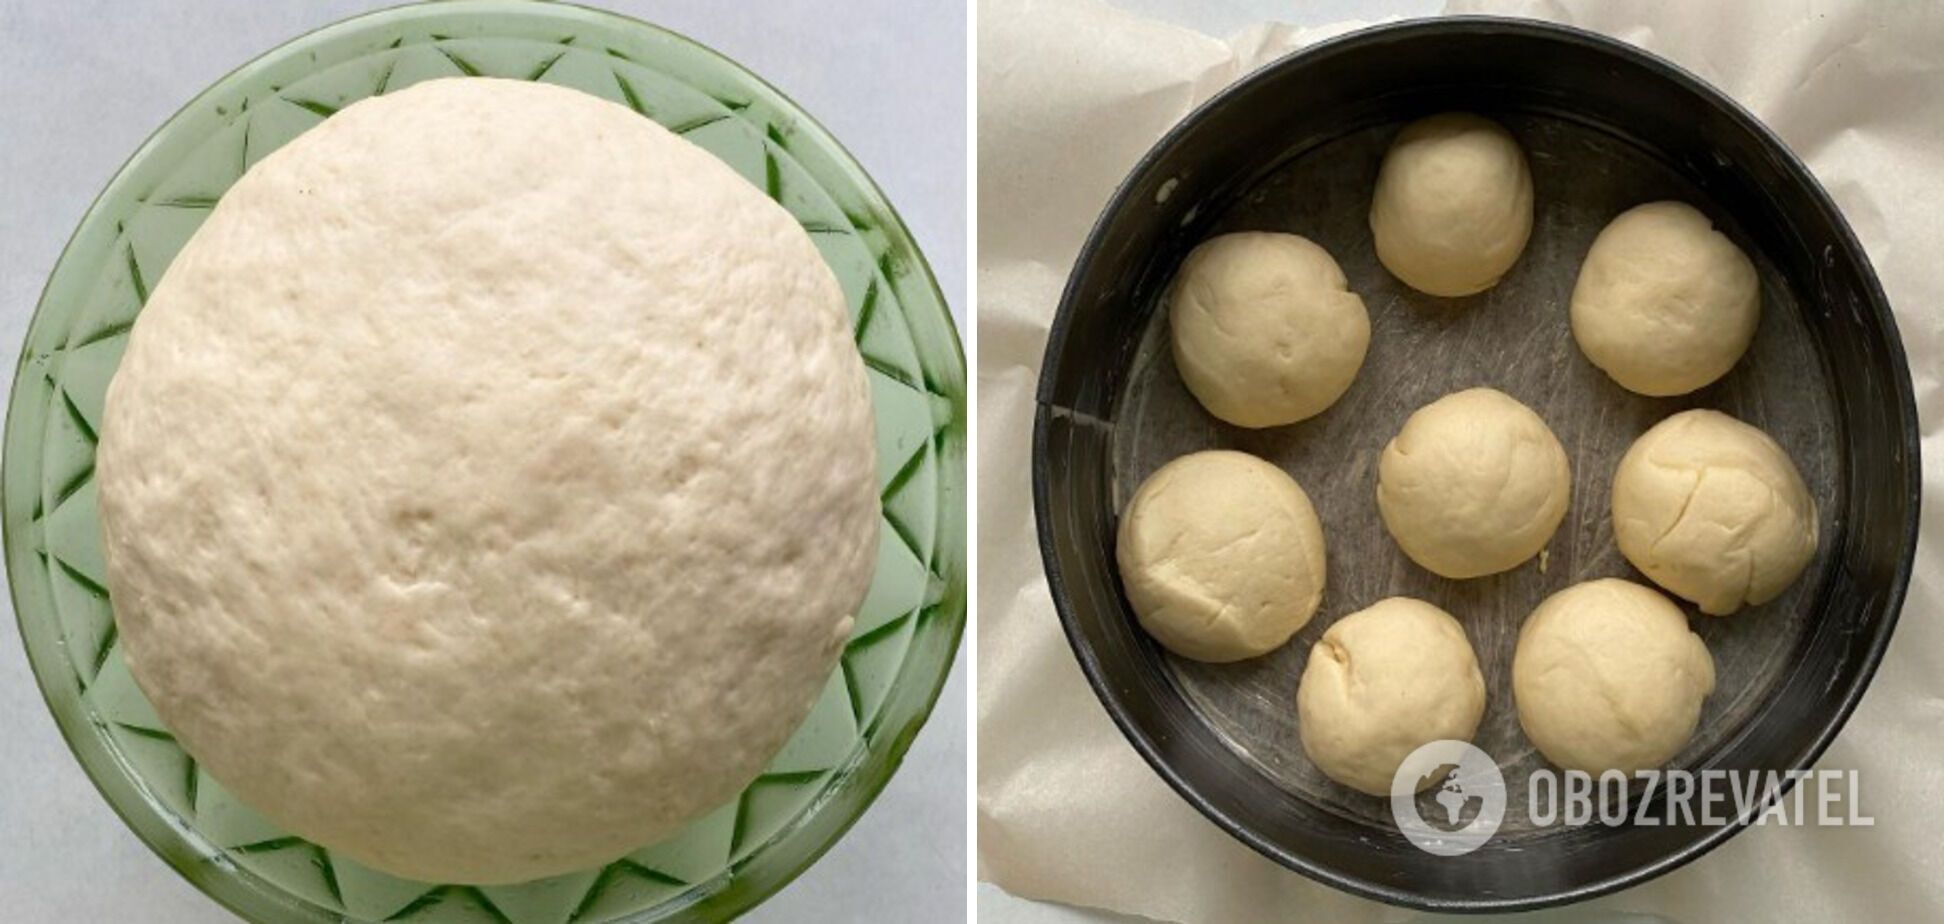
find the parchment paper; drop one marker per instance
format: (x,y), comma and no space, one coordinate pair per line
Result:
(1510,337)
(1070,94)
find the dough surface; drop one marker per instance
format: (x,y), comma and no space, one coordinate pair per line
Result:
(1714,511)
(1474,484)
(1453,206)
(1381,683)
(1607,676)
(1664,303)
(1221,555)
(1266,331)
(485,509)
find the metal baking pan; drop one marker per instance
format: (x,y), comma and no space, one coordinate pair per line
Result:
(1295,147)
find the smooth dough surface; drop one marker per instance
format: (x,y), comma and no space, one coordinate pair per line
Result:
(1266,331)
(1381,683)
(1474,484)
(1221,554)
(1607,676)
(1453,205)
(484,509)
(1664,303)
(1713,510)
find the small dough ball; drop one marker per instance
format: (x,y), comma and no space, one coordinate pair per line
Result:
(1713,510)
(1266,331)
(1380,684)
(1222,556)
(1607,676)
(1665,303)
(1453,206)
(1474,484)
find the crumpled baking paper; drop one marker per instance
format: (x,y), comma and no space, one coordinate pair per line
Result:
(1071,93)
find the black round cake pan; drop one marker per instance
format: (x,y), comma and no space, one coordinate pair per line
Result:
(1524,73)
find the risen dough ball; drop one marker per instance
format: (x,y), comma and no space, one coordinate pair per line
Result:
(1474,484)
(1265,330)
(1453,206)
(1381,683)
(1665,303)
(1608,677)
(1713,510)
(481,508)
(1222,556)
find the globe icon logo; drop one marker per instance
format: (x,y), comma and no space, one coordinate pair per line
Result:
(1465,793)
(1452,796)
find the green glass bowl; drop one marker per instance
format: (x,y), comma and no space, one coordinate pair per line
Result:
(907,629)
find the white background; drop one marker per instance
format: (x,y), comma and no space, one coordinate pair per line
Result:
(83,83)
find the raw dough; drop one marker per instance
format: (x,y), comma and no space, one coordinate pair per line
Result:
(1665,303)
(1383,682)
(1713,510)
(1474,484)
(1222,556)
(483,509)
(1265,330)
(1453,206)
(1607,676)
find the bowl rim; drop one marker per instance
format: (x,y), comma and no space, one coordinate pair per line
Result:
(853,785)
(1126,195)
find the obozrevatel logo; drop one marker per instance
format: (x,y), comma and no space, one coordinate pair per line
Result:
(1467,787)
(1463,793)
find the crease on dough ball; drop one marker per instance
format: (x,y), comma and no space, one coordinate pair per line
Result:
(1381,683)
(1608,676)
(1222,556)
(1665,303)
(1713,510)
(1452,209)
(1265,329)
(1473,484)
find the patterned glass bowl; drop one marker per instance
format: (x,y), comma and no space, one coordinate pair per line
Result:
(907,630)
